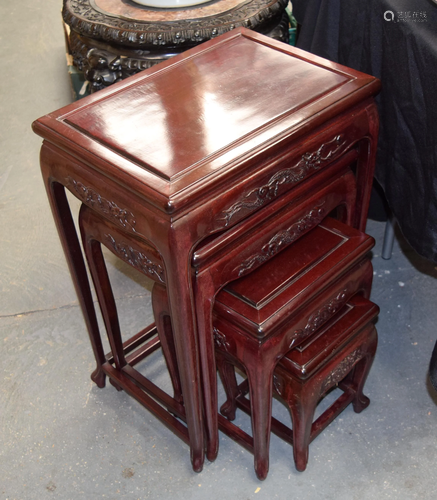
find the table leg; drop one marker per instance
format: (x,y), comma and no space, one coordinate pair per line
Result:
(165,332)
(102,286)
(179,286)
(73,253)
(260,376)
(366,168)
(205,295)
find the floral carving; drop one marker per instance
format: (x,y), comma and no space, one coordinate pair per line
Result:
(84,18)
(322,315)
(308,163)
(109,208)
(220,340)
(342,369)
(283,239)
(137,259)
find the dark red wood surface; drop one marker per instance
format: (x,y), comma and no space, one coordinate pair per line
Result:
(219,106)
(307,284)
(261,298)
(340,353)
(146,155)
(185,123)
(218,261)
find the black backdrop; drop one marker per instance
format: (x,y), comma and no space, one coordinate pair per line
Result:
(396,41)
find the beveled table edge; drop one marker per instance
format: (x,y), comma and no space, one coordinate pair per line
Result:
(183,192)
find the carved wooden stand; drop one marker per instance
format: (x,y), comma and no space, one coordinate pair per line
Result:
(206,148)
(225,258)
(113,39)
(259,318)
(339,354)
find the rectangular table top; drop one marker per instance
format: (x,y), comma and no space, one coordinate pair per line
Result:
(197,117)
(277,287)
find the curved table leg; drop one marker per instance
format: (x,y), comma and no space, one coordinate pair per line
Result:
(165,332)
(206,347)
(361,371)
(179,287)
(302,405)
(99,273)
(260,376)
(204,307)
(73,253)
(177,249)
(227,374)
(366,168)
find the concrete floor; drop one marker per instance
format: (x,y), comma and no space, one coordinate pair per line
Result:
(63,438)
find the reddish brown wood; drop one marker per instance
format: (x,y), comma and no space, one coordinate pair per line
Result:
(58,168)
(70,243)
(346,352)
(259,318)
(95,229)
(123,379)
(147,334)
(255,330)
(217,262)
(111,40)
(341,352)
(194,146)
(259,365)
(238,252)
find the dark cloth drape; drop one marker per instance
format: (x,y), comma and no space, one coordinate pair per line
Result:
(396,41)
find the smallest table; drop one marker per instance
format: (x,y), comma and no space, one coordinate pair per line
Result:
(215,137)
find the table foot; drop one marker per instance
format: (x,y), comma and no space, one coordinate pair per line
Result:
(114,384)
(98,377)
(197,462)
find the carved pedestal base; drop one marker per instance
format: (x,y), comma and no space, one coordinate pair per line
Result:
(113,39)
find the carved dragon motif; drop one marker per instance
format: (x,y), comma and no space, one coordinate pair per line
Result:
(309,162)
(283,239)
(342,369)
(322,315)
(137,259)
(89,196)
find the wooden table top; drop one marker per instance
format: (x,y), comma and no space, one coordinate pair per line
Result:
(178,128)
(267,295)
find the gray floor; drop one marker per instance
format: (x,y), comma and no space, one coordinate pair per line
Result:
(62,437)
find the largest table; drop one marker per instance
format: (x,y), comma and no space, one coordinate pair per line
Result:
(195,145)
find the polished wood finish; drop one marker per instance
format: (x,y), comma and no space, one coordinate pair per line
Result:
(245,247)
(119,363)
(208,180)
(341,353)
(111,40)
(216,262)
(260,317)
